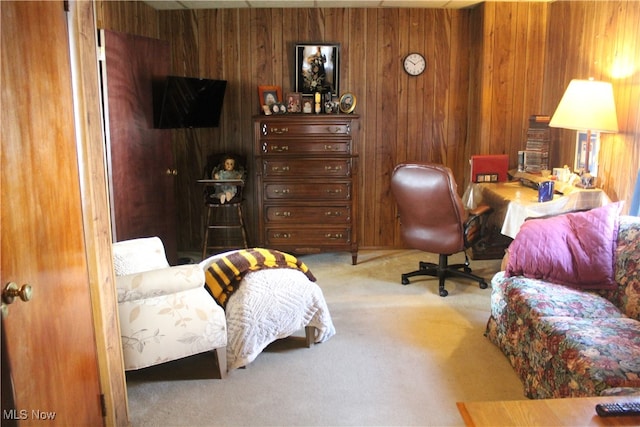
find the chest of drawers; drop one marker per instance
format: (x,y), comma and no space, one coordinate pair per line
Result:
(307,182)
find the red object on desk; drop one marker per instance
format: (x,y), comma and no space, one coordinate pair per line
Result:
(489,168)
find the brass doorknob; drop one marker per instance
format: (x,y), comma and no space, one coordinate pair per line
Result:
(11,292)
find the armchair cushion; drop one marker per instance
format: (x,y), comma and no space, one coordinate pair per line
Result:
(168,327)
(164,281)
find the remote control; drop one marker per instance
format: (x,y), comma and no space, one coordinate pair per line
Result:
(618,409)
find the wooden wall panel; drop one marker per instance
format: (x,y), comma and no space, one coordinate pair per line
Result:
(599,40)
(489,68)
(127,17)
(506,82)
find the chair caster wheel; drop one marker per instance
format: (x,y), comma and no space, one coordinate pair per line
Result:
(444,292)
(405,281)
(483,285)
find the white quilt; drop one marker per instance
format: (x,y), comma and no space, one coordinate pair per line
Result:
(271,304)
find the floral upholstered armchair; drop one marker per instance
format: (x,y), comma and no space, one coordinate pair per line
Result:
(165,312)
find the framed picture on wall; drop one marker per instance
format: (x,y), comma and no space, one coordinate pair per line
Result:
(581,152)
(317,68)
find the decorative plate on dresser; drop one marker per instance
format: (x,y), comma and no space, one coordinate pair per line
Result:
(307,182)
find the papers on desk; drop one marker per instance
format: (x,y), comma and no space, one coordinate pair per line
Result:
(561,187)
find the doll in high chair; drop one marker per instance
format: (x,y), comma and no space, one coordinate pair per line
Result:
(227,170)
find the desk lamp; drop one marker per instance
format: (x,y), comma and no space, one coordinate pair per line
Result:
(587,105)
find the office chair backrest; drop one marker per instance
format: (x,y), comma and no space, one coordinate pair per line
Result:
(431,212)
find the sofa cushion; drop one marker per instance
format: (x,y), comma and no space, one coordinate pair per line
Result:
(576,249)
(536,298)
(581,357)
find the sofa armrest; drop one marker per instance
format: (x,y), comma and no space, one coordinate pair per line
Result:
(164,281)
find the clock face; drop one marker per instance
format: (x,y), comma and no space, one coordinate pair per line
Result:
(415,64)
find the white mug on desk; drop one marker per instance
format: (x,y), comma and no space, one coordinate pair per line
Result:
(560,173)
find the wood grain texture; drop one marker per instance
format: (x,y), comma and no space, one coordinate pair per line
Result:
(96,214)
(599,40)
(488,69)
(51,339)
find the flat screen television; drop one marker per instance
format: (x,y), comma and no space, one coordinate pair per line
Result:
(189,102)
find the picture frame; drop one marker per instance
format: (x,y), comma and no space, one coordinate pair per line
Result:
(268,95)
(317,68)
(581,152)
(347,103)
(293,101)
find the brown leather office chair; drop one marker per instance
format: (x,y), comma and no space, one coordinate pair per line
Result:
(432,219)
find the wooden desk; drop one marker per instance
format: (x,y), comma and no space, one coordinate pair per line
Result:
(544,412)
(513,203)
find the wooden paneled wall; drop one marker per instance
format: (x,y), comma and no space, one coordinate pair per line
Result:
(599,40)
(489,68)
(509,50)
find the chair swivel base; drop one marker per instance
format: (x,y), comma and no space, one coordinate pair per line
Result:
(442,271)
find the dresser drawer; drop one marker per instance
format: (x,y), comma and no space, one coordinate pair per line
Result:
(315,168)
(310,236)
(278,129)
(307,191)
(305,146)
(340,214)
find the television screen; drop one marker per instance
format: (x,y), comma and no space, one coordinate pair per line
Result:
(189,102)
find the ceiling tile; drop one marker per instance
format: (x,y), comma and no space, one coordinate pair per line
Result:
(223,4)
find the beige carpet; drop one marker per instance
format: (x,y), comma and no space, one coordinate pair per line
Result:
(402,355)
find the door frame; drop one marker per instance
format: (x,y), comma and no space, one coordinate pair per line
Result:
(95,208)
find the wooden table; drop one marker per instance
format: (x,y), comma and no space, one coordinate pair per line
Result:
(544,412)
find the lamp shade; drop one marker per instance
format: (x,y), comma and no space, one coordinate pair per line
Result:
(586,105)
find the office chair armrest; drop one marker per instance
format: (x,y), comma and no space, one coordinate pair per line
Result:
(480,210)
(474,224)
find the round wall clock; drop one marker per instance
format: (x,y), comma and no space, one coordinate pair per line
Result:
(414,64)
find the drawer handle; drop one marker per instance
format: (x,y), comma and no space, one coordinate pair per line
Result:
(334,191)
(280,169)
(333,168)
(333,236)
(333,213)
(281,236)
(279,131)
(285,213)
(336,129)
(280,149)
(285,191)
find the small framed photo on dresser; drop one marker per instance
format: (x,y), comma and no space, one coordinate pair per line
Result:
(293,101)
(268,95)
(347,103)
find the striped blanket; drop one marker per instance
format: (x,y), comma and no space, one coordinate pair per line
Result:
(223,277)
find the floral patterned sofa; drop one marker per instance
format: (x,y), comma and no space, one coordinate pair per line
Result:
(568,341)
